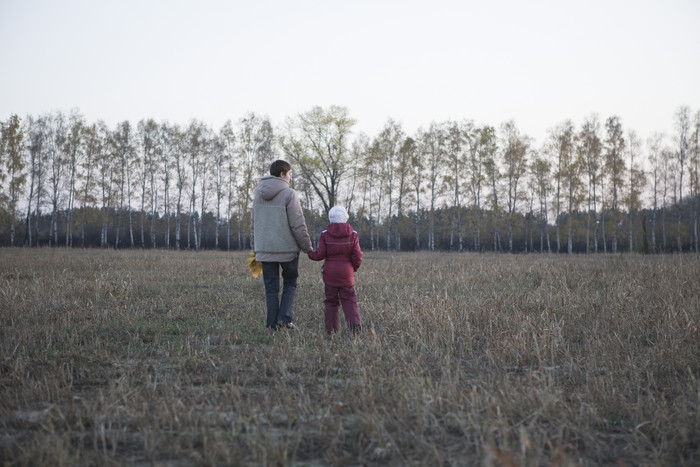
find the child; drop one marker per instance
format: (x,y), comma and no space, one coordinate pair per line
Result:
(340,247)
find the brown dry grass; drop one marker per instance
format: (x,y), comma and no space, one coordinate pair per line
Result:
(136,358)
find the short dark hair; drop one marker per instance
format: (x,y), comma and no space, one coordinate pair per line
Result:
(278,167)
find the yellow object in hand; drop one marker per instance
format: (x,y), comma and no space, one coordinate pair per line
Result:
(255,266)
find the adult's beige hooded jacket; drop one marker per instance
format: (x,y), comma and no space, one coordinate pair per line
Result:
(278,228)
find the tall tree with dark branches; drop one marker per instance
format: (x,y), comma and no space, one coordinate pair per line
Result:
(317,143)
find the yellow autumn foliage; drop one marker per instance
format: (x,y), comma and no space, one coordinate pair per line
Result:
(255,266)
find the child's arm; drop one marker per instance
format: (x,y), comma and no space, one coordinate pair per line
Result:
(356,255)
(319,253)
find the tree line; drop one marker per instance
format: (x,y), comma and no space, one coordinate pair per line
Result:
(454,185)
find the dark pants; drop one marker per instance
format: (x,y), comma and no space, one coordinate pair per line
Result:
(334,297)
(279,311)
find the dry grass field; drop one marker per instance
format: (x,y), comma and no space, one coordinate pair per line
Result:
(162,358)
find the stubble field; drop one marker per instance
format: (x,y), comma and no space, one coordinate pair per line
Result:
(162,358)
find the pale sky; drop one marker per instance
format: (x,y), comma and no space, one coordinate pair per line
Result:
(536,62)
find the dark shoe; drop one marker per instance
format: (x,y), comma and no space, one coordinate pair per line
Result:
(289,325)
(355,328)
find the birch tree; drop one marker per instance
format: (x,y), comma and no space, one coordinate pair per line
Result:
(456,157)
(478,153)
(169,151)
(589,147)
(635,184)
(417,176)
(695,177)
(11,150)
(74,154)
(361,151)
(434,153)
(56,158)
(407,160)
(227,139)
(224,177)
(541,173)
(255,152)
(196,149)
(205,182)
(147,131)
(493,179)
(124,146)
(35,129)
(176,143)
(107,168)
(93,147)
(561,147)
(682,124)
(371,173)
(353,177)
(615,168)
(388,145)
(655,158)
(515,149)
(667,178)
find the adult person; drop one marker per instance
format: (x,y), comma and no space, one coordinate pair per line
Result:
(278,232)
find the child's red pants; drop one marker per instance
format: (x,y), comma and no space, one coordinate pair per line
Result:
(334,297)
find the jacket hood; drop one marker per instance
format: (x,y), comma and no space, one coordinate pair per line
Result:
(339,230)
(270,186)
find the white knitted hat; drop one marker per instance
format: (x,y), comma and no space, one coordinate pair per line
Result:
(338,214)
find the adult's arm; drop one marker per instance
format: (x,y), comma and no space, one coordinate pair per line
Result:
(295,217)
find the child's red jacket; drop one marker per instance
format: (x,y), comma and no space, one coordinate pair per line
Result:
(339,245)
